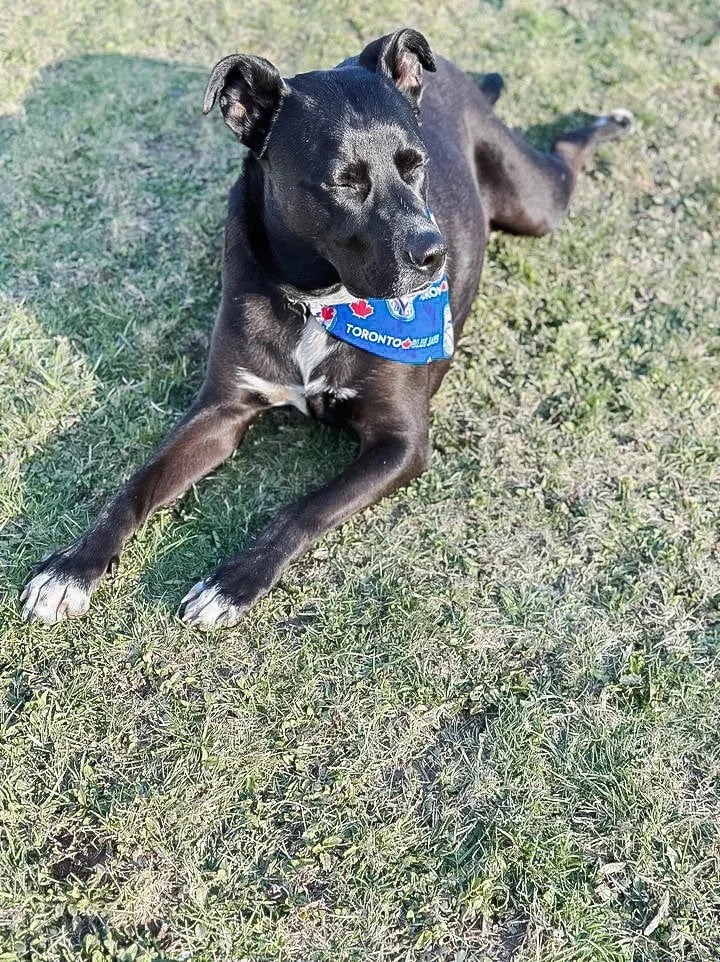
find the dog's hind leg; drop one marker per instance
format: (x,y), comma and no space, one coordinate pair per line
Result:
(526,190)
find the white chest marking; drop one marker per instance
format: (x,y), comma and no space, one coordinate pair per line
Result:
(276,394)
(312,348)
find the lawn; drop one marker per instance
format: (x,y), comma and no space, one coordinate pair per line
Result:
(481,721)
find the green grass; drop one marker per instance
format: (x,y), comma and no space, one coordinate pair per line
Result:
(481,721)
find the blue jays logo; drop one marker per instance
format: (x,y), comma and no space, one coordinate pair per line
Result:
(434,290)
(402,307)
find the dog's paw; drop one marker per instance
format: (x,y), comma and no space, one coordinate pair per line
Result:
(622,117)
(50,597)
(618,123)
(205,606)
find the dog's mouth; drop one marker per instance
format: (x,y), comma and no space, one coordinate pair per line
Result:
(407,292)
(405,284)
(397,290)
(428,282)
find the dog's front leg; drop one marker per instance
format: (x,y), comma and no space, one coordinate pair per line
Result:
(383,465)
(63,583)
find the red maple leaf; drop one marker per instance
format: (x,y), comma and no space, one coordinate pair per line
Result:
(362,309)
(328,312)
(407,343)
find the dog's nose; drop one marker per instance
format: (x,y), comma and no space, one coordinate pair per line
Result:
(426,252)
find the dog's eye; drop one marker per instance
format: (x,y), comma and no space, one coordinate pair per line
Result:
(353,177)
(410,164)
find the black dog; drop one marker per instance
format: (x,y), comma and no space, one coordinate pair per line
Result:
(334,205)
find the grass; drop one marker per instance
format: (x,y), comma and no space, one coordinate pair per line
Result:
(481,721)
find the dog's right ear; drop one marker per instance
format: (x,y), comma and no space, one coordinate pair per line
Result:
(250,91)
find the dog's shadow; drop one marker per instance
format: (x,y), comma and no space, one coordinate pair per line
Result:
(120,185)
(542,136)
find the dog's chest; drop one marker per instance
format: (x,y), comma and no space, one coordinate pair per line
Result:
(309,382)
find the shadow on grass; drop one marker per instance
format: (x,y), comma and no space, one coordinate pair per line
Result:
(542,136)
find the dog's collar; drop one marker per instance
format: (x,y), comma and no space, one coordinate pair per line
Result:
(416,329)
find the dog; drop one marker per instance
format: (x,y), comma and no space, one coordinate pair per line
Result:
(366,198)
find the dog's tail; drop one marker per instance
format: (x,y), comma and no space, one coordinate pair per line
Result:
(492,85)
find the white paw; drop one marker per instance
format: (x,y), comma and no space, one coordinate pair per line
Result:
(619,117)
(205,607)
(50,598)
(623,117)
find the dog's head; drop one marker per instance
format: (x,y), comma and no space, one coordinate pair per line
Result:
(344,159)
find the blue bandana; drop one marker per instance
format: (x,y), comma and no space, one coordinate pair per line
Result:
(413,330)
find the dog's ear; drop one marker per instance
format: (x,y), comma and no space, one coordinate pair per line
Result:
(401,57)
(250,91)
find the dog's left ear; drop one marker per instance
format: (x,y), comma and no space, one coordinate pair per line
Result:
(401,57)
(250,91)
